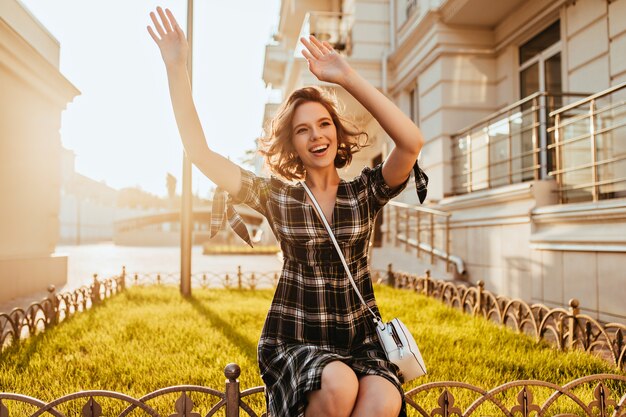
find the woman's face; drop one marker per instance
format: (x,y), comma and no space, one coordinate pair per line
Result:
(314,135)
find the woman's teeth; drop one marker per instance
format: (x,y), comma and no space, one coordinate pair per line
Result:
(319,149)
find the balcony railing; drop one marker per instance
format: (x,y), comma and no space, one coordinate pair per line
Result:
(424,230)
(333,27)
(589,147)
(412,6)
(507,147)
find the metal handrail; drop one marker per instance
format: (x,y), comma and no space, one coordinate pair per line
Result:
(468,177)
(499,113)
(417,208)
(409,223)
(588,99)
(589,114)
(518,103)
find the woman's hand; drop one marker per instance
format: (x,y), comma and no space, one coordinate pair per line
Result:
(324,62)
(170,39)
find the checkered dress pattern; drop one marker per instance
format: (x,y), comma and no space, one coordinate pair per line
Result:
(316,317)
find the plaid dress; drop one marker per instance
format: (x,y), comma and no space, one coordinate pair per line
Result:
(316,317)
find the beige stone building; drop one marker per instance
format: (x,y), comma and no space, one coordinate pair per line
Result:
(33,95)
(522,106)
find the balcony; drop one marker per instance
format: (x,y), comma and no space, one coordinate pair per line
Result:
(333,27)
(276,58)
(486,13)
(589,147)
(507,147)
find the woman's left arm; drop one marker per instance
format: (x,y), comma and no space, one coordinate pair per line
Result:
(329,66)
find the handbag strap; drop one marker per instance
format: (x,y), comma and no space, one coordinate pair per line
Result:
(318,209)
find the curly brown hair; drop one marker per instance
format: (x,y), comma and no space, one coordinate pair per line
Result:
(277,146)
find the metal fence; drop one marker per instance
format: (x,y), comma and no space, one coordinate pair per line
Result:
(600,395)
(566,328)
(21,323)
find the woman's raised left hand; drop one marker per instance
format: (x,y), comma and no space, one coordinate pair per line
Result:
(324,62)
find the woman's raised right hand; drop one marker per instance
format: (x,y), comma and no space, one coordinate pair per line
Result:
(169,37)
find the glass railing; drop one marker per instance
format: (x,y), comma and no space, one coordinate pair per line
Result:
(333,27)
(507,147)
(589,147)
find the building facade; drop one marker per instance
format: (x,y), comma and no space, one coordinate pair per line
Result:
(522,106)
(34,93)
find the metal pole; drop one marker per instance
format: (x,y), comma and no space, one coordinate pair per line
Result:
(595,191)
(186,211)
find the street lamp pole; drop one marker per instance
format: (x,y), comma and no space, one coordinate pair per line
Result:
(186,213)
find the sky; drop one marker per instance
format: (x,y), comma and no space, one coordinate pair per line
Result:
(121,127)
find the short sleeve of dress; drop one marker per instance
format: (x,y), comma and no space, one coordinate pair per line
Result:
(380,193)
(254,193)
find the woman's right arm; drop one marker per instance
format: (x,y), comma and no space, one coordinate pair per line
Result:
(171,41)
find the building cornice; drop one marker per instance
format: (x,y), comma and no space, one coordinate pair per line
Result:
(488,197)
(605,210)
(26,64)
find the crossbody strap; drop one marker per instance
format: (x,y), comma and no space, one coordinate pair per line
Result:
(318,209)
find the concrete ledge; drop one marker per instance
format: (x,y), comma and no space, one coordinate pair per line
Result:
(24,276)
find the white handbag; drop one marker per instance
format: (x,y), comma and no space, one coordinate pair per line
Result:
(395,339)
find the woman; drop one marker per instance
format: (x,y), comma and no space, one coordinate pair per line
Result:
(318,353)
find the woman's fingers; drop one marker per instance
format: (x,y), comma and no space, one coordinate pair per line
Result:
(321,46)
(164,19)
(157,25)
(307,55)
(314,51)
(328,46)
(174,23)
(154,36)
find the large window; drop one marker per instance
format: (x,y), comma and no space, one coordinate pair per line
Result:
(540,71)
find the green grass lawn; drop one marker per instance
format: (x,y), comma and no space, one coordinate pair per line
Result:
(150,337)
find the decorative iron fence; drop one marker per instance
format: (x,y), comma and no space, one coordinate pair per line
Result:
(37,317)
(567,329)
(601,395)
(21,323)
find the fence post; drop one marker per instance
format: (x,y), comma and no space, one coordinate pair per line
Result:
(427,283)
(123,278)
(53,316)
(574,312)
(239,276)
(232,372)
(478,308)
(95,290)
(391,278)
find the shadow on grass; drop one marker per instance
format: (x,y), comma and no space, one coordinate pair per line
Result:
(230,333)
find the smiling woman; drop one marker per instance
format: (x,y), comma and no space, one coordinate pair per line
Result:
(309,111)
(319,353)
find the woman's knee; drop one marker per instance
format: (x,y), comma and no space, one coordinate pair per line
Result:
(378,397)
(338,392)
